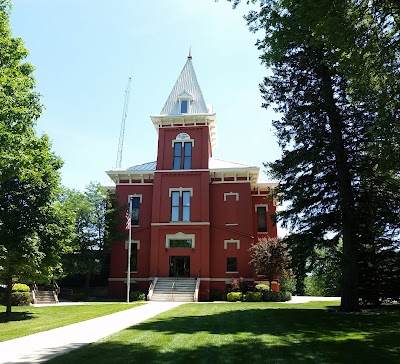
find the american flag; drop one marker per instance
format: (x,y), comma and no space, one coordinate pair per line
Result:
(128,220)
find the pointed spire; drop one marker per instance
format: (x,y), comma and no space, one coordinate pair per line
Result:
(186,84)
(190,53)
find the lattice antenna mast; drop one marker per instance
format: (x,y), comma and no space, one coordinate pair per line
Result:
(122,131)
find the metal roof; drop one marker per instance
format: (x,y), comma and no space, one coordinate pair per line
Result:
(151,166)
(186,82)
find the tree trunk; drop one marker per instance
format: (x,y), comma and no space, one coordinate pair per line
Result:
(87,283)
(8,296)
(349,301)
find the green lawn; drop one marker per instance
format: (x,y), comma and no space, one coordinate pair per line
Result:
(30,320)
(251,333)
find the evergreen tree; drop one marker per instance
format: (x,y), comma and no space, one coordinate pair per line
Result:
(335,70)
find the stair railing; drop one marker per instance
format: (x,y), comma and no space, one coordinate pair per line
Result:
(34,292)
(172,289)
(196,291)
(151,288)
(56,291)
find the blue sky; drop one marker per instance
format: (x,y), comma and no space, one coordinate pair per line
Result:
(84,52)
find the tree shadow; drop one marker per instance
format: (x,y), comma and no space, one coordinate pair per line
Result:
(16,316)
(243,335)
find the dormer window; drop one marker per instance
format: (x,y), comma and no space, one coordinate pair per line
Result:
(184,102)
(184,106)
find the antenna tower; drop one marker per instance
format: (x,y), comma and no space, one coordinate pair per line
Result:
(122,131)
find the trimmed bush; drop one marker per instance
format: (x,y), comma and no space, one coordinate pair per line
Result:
(234,296)
(21,298)
(252,297)
(20,287)
(262,288)
(277,296)
(137,296)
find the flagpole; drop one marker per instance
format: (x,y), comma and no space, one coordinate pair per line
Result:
(128,278)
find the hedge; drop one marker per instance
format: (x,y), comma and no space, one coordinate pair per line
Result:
(234,296)
(277,296)
(252,297)
(137,296)
(20,287)
(21,298)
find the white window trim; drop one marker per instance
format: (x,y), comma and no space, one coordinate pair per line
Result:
(135,195)
(174,141)
(180,190)
(179,235)
(231,241)
(261,205)
(236,272)
(226,194)
(137,242)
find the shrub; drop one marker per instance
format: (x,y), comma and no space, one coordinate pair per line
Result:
(217,296)
(137,296)
(277,296)
(19,287)
(234,296)
(240,285)
(286,296)
(288,284)
(78,297)
(262,287)
(21,298)
(252,297)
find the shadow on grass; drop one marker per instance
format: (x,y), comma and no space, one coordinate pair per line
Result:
(250,336)
(16,316)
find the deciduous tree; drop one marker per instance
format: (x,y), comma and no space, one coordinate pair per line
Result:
(34,230)
(270,258)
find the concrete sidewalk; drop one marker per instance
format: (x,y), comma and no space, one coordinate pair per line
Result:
(45,345)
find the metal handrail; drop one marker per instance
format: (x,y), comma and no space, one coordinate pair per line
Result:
(151,288)
(196,291)
(56,291)
(35,289)
(172,289)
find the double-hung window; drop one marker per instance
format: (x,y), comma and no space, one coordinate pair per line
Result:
(182,146)
(135,212)
(180,205)
(262,219)
(184,162)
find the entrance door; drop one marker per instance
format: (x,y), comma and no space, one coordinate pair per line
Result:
(179,266)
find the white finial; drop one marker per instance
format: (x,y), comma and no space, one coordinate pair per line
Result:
(190,53)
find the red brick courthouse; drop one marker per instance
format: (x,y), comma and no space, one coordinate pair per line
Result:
(193,217)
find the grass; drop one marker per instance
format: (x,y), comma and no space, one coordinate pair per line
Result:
(251,333)
(27,320)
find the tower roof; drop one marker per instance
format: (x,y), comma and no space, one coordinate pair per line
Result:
(186,86)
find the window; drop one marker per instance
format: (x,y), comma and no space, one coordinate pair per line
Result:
(186,206)
(231,265)
(180,240)
(175,206)
(187,161)
(184,106)
(135,208)
(262,219)
(177,156)
(135,246)
(180,204)
(180,243)
(187,155)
